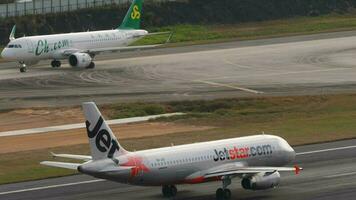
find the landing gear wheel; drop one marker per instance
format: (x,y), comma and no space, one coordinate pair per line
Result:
(222,194)
(227,194)
(169,191)
(23,69)
(219,194)
(173,191)
(56,63)
(91,65)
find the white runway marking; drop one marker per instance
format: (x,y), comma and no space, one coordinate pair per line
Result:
(236,64)
(230,86)
(340,175)
(326,150)
(282,73)
(51,186)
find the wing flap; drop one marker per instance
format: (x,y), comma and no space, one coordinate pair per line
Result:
(73,166)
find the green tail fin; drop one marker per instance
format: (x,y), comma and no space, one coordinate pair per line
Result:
(133,16)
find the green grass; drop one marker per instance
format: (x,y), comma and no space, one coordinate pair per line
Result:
(196,34)
(300,120)
(136,109)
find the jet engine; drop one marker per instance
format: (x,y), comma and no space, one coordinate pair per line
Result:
(261,181)
(82,60)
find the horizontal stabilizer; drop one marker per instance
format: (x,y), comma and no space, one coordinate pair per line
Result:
(159,33)
(64,165)
(71,156)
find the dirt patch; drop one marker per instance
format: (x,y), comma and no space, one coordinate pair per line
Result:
(78,136)
(33,118)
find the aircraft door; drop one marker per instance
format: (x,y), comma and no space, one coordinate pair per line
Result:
(30,48)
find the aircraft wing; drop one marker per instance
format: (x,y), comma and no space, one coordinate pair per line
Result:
(71,156)
(69,52)
(96,51)
(116,49)
(226,171)
(64,165)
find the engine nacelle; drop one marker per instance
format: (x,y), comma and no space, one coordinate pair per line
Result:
(261,181)
(80,60)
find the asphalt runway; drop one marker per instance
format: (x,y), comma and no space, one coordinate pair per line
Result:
(315,64)
(329,173)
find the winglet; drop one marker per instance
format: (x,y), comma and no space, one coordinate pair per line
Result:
(297,169)
(169,37)
(12,34)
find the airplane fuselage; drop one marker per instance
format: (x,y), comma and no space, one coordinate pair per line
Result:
(35,48)
(187,163)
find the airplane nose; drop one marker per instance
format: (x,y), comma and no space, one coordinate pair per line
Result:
(291,155)
(3,53)
(288,151)
(6,54)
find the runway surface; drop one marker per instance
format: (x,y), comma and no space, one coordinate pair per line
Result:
(316,64)
(329,173)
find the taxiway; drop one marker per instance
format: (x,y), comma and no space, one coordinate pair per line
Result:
(298,65)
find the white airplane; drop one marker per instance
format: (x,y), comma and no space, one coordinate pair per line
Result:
(257,160)
(78,48)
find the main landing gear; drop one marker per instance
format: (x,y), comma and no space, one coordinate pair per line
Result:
(91,66)
(224,193)
(56,63)
(169,191)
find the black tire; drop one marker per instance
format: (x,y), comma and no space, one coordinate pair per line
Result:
(227,194)
(53,63)
(165,191)
(220,194)
(169,191)
(173,191)
(56,63)
(91,65)
(23,69)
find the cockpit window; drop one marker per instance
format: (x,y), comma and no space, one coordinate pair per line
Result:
(14,46)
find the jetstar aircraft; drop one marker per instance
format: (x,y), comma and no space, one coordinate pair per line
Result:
(78,48)
(257,160)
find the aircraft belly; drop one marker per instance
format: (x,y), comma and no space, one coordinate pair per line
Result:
(164,176)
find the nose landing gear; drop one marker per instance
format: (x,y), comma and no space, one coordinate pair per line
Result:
(23,67)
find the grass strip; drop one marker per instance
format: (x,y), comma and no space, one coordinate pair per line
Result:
(186,34)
